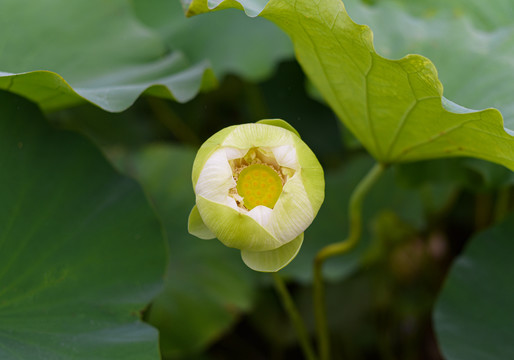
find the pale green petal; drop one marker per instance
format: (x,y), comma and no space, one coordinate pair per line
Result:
(233,228)
(312,175)
(272,260)
(216,178)
(280,123)
(292,213)
(314,184)
(197,227)
(258,135)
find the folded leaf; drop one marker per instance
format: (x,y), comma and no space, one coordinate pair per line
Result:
(394,107)
(59,53)
(472,63)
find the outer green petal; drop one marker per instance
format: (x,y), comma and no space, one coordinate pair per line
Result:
(312,175)
(280,123)
(197,227)
(314,183)
(272,260)
(234,229)
(258,135)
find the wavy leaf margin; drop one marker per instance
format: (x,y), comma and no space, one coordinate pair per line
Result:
(52,92)
(404,116)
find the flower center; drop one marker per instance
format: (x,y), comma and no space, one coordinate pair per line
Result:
(259,184)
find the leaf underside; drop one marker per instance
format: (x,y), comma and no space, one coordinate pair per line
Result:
(62,53)
(394,107)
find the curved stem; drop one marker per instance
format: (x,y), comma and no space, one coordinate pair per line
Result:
(355,230)
(294,315)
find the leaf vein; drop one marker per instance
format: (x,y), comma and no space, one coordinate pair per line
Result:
(404,120)
(319,59)
(443,133)
(368,110)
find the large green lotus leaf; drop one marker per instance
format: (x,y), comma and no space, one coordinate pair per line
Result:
(81,251)
(207,284)
(236,46)
(474,314)
(394,107)
(474,65)
(59,53)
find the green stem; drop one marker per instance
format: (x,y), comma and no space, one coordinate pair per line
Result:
(294,315)
(339,248)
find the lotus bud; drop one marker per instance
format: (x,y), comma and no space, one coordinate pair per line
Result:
(258,187)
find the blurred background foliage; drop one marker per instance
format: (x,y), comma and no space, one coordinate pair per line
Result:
(418,219)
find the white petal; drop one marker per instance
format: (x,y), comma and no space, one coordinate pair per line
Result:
(261,214)
(286,156)
(233,153)
(230,201)
(292,213)
(215,179)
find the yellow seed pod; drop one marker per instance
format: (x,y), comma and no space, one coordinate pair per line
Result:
(259,184)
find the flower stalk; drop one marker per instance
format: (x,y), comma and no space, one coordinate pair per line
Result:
(294,316)
(339,248)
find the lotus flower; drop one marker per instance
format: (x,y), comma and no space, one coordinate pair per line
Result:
(258,187)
